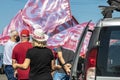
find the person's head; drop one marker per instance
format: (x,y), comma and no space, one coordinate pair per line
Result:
(14,36)
(24,35)
(39,38)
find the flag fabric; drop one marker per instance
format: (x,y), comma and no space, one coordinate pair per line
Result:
(16,24)
(64,26)
(69,38)
(48,14)
(45,14)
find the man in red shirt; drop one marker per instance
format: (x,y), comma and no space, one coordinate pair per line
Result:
(19,54)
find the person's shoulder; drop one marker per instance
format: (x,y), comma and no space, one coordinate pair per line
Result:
(8,43)
(31,49)
(47,48)
(59,49)
(29,43)
(5,43)
(17,45)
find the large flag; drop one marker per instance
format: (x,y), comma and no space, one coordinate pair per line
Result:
(15,22)
(69,38)
(45,14)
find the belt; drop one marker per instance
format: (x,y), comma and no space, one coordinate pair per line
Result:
(6,65)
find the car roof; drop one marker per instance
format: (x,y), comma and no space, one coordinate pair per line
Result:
(108,22)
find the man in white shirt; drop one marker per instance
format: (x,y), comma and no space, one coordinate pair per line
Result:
(7,55)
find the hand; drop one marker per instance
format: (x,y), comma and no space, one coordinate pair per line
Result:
(67,68)
(68,65)
(58,67)
(15,73)
(15,66)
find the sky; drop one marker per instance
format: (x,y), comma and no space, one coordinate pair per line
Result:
(82,10)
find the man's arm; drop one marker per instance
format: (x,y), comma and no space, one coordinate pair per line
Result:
(60,57)
(14,61)
(25,65)
(65,65)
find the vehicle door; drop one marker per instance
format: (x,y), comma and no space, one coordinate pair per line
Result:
(77,66)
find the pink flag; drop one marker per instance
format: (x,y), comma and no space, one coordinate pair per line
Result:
(64,26)
(16,24)
(45,14)
(69,38)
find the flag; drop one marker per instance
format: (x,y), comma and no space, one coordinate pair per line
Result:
(69,38)
(64,26)
(45,14)
(16,24)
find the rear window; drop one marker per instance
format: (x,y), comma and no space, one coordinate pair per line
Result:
(108,59)
(113,62)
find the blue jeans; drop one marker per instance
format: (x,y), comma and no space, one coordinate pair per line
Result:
(9,71)
(60,76)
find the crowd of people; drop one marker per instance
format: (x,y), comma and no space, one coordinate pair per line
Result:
(34,60)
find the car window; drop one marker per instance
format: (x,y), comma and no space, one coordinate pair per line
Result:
(113,64)
(108,58)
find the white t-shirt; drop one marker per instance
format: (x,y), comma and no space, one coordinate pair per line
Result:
(7,55)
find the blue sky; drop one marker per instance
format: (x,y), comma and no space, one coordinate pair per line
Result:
(82,10)
(8,9)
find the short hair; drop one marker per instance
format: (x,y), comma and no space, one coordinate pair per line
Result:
(13,33)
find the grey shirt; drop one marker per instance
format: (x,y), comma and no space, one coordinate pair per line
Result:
(67,55)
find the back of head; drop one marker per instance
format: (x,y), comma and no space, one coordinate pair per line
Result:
(39,37)
(24,34)
(13,33)
(14,36)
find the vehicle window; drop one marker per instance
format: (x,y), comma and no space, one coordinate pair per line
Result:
(108,58)
(114,52)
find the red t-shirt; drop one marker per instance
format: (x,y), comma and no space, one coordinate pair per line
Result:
(19,53)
